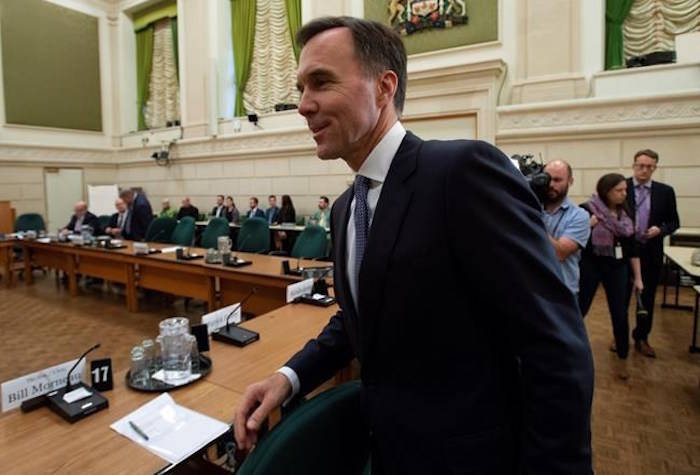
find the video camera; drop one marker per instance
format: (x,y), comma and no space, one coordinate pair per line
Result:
(534,173)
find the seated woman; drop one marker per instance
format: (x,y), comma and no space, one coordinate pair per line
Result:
(287,214)
(230,211)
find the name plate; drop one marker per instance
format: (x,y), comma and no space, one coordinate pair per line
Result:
(15,391)
(217,319)
(294,291)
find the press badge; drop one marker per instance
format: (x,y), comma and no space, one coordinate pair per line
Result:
(618,251)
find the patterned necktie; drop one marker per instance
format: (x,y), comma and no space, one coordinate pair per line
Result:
(361,221)
(643,205)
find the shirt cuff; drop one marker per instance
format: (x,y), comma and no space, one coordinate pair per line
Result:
(293,379)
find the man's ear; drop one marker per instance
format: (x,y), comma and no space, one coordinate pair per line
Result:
(386,88)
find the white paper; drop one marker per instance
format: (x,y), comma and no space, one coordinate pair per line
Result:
(101,199)
(44,240)
(166,250)
(295,291)
(174,432)
(160,376)
(217,318)
(76,395)
(15,391)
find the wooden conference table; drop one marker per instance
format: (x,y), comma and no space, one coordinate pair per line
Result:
(42,442)
(6,261)
(164,273)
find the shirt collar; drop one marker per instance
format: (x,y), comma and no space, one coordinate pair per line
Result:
(637,184)
(377,164)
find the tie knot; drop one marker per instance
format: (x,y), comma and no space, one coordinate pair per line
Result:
(361,185)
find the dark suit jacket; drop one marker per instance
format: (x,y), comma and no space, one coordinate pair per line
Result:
(223,211)
(89,220)
(271,214)
(473,353)
(114,223)
(189,211)
(662,213)
(258,213)
(140,216)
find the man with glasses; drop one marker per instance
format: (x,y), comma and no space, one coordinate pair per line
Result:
(655,216)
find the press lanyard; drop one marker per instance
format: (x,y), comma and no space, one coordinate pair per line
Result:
(554,231)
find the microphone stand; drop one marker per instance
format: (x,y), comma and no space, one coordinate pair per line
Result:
(81,408)
(236,335)
(235,261)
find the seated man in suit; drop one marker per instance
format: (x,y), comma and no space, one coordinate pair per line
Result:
(187,209)
(219,211)
(254,211)
(117,223)
(81,217)
(140,214)
(273,210)
(473,354)
(322,217)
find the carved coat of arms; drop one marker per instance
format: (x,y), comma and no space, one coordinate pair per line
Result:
(408,17)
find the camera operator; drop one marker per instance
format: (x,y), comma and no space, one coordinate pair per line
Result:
(567,225)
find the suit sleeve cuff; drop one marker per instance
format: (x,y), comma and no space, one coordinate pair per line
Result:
(293,379)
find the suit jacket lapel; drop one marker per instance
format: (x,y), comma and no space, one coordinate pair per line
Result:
(388,216)
(653,202)
(340,244)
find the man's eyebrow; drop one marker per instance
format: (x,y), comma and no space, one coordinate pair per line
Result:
(320,73)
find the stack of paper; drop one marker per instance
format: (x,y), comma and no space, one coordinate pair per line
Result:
(169,430)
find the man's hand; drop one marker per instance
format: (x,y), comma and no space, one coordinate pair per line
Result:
(594,220)
(652,232)
(638,285)
(259,400)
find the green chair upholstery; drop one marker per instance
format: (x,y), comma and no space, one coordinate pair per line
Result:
(243,218)
(183,234)
(30,222)
(324,435)
(104,221)
(215,228)
(254,236)
(161,230)
(311,243)
(300,220)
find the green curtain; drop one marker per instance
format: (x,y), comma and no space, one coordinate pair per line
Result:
(243,26)
(144,61)
(173,28)
(615,13)
(165,9)
(294,21)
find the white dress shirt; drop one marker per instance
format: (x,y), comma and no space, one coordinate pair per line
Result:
(375,167)
(121,220)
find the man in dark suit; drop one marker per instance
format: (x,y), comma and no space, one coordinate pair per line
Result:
(140,214)
(117,222)
(254,211)
(187,209)
(81,217)
(655,215)
(473,354)
(272,210)
(219,211)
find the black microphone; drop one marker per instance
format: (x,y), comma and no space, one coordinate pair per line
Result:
(239,305)
(76,365)
(236,335)
(235,261)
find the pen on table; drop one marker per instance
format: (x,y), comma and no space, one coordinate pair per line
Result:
(138,430)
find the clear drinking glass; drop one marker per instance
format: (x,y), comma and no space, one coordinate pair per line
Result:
(176,348)
(149,353)
(139,372)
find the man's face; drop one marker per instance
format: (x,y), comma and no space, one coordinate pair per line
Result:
(252,203)
(272,201)
(559,185)
(322,204)
(219,201)
(128,199)
(338,98)
(644,167)
(185,203)
(80,210)
(120,205)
